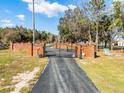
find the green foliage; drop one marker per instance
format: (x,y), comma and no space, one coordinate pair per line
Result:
(72,27)
(20,34)
(97,5)
(117,9)
(117,14)
(92,23)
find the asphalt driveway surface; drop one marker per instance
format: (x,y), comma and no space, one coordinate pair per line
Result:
(63,75)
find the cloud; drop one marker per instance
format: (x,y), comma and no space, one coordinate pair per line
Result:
(28,1)
(117,0)
(5,21)
(49,9)
(21,17)
(71,6)
(7,25)
(36,1)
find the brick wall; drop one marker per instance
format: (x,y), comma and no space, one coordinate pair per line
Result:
(28,48)
(114,51)
(39,49)
(89,50)
(117,51)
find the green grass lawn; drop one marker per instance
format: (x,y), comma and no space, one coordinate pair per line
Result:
(106,72)
(12,63)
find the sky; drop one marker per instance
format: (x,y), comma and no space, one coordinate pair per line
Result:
(48,12)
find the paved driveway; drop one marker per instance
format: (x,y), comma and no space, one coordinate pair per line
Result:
(63,75)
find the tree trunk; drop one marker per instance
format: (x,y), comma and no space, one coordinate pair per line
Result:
(90,39)
(110,45)
(105,44)
(97,36)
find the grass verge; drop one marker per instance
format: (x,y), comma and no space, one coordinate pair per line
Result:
(106,72)
(12,63)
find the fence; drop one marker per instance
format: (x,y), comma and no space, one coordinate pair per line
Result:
(29,48)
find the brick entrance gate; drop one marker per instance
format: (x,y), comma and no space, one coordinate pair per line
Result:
(29,49)
(81,50)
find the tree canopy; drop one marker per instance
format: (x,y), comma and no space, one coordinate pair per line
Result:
(20,34)
(92,23)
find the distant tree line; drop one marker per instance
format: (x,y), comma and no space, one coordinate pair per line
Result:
(20,34)
(92,22)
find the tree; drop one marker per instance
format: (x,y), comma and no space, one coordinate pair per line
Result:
(117,23)
(20,34)
(105,32)
(96,7)
(73,27)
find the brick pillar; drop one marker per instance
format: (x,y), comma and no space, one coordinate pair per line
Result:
(71,45)
(67,47)
(76,51)
(55,45)
(11,46)
(44,47)
(79,51)
(59,45)
(32,49)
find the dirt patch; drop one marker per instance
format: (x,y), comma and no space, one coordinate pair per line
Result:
(22,79)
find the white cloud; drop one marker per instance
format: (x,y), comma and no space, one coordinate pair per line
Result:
(21,17)
(117,0)
(49,9)
(5,21)
(28,1)
(72,6)
(7,25)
